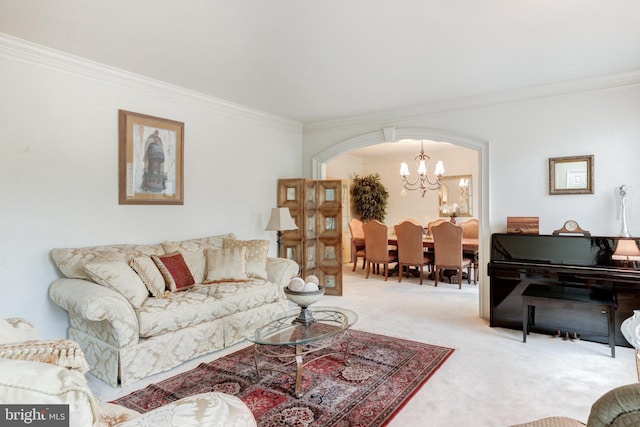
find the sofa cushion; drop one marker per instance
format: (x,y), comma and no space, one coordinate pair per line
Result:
(150,275)
(193,252)
(226,265)
(202,303)
(115,273)
(241,296)
(71,261)
(174,270)
(157,316)
(257,251)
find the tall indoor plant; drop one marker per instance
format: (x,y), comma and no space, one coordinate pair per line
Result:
(369,197)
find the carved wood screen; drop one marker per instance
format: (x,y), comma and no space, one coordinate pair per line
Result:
(316,207)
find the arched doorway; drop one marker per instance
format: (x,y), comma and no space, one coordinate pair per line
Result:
(393,134)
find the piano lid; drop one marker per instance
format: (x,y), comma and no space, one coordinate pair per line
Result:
(561,250)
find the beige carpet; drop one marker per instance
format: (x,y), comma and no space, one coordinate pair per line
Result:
(492,379)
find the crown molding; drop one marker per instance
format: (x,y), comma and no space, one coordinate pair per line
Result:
(32,53)
(609,81)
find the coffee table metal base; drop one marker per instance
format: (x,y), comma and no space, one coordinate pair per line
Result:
(298,353)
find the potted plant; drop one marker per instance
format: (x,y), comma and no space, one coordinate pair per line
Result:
(369,197)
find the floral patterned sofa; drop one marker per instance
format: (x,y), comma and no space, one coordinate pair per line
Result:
(137,310)
(45,372)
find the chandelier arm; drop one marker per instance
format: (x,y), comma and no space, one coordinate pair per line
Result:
(422,182)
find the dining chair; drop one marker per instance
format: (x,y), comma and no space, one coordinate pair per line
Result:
(376,243)
(357,243)
(470,231)
(432,224)
(447,247)
(410,248)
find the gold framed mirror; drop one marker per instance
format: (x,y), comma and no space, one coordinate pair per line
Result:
(571,175)
(456,196)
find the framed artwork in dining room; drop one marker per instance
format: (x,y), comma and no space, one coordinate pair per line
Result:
(150,160)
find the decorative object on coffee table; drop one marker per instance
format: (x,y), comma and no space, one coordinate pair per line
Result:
(304,293)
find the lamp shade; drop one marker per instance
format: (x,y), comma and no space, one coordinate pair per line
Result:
(281,220)
(626,250)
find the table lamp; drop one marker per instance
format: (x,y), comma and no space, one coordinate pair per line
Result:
(626,251)
(280,221)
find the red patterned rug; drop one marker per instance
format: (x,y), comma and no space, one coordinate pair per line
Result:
(383,375)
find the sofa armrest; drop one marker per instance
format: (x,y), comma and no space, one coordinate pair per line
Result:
(281,271)
(617,407)
(97,310)
(207,409)
(27,382)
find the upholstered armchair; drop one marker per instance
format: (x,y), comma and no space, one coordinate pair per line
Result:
(46,372)
(619,407)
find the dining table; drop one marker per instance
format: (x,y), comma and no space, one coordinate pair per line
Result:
(468,244)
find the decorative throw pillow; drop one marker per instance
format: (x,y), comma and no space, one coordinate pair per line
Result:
(193,254)
(226,265)
(150,275)
(65,353)
(192,251)
(115,273)
(175,271)
(256,255)
(10,334)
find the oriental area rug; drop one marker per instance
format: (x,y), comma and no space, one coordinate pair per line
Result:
(383,374)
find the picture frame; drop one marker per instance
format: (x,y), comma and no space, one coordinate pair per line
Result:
(150,160)
(455,196)
(571,175)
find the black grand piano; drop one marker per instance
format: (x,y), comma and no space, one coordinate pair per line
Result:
(565,263)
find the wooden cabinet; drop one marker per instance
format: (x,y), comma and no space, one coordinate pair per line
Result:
(316,207)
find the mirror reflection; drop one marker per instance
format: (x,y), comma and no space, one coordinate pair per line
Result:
(455,196)
(571,175)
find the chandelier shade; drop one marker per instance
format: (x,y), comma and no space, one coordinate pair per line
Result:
(422,181)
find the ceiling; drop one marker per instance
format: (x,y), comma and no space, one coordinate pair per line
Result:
(320,60)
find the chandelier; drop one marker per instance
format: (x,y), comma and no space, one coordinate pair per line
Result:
(422,182)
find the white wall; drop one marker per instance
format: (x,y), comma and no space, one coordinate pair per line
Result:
(520,136)
(457,161)
(59,169)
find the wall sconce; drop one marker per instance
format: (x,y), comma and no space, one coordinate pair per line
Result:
(280,221)
(464,186)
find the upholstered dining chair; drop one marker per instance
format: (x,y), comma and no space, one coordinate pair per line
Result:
(357,243)
(410,248)
(470,231)
(376,243)
(447,247)
(432,224)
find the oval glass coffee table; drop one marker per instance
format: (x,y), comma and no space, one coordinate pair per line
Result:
(294,342)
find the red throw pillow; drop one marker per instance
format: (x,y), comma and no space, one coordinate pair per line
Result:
(175,271)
